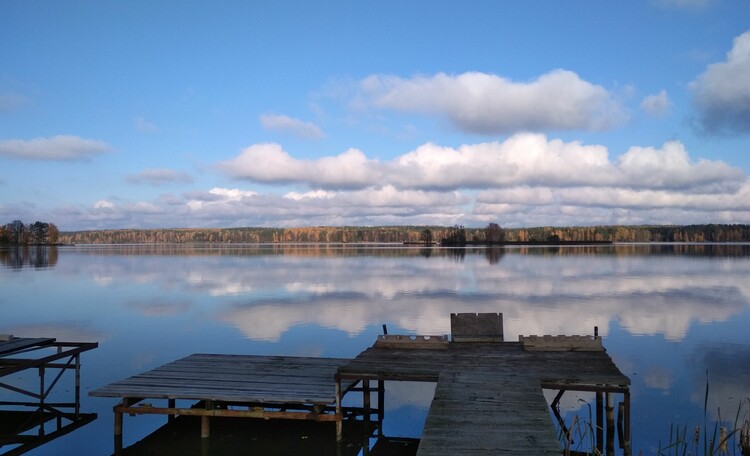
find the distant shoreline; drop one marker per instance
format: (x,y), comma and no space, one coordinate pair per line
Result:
(502,244)
(414,235)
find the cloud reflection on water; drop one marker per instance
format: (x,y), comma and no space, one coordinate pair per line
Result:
(539,291)
(727,374)
(647,296)
(238,299)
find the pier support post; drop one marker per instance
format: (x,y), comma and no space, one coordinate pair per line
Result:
(366,400)
(610,424)
(626,443)
(78,385)
(205,421)
(339,412)
(381,405)
(599,422)
(118,425)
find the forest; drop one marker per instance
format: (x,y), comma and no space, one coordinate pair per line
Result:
(410,234)
(37,233)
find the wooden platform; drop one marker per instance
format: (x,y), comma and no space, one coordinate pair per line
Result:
(232,386)
(10,345)
(29,417)
(235,378)
(488,398)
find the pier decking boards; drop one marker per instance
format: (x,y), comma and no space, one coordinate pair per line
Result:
(488,398)
(235,378)
(29,418)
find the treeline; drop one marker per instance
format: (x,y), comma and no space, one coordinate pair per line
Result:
(251,235)
(37,233)
(412,234)
(643,233)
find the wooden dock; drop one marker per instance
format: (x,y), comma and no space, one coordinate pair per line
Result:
(31,419)
(488,397)
(232,386)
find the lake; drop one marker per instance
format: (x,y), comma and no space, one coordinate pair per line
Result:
(674,317)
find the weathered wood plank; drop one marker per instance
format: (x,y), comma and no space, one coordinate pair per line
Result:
(21,343)
(235,378)
(488,398)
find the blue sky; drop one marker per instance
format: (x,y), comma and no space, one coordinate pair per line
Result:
(219,114)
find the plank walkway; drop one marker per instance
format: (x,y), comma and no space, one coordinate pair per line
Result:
(30,418)
(280,387)
(488,398)
(18,344)
(235,378)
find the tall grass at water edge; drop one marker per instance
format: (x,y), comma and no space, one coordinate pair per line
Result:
(721,441)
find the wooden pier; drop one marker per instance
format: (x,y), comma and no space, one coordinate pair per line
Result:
(232,386)
(22,420)
(488,398)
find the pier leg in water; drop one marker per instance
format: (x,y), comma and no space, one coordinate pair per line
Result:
(118,433)
(381,405)
(599,422)
(339,413)
(366,401)
(205,422)
(610,425)
(118,422)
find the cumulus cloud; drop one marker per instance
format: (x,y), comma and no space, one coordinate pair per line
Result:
(721,94)
(523,159)
(484,103)
(526,180)
(656,105)
(62,147)
(159,177)
(292,126)
(670,167)
(270,163)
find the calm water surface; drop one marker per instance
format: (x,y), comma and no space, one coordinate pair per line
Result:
(674,318)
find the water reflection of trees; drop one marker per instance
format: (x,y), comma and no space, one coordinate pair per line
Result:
(17,257)
(494,254)
(647,249)
(456,254)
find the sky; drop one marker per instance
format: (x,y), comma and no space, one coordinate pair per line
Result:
(151,114)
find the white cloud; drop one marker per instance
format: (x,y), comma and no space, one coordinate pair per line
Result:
(62,147)
(315,194)
(159,177)
(490,104)
(524,159)
(526,180)
(521,159)
(671,167)
(290,125)
(722,93)
(270,163)
(656,105)
(104,204)
(223,200)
